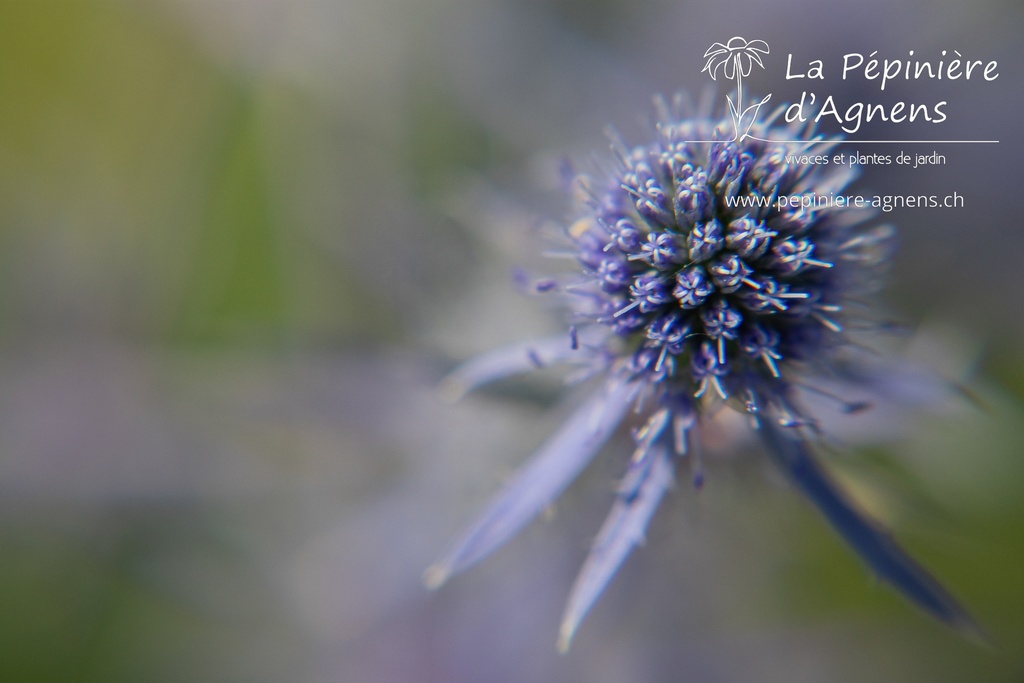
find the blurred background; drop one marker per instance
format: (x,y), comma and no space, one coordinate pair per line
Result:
(241,241)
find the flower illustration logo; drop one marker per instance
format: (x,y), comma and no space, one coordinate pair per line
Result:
(738,56)
(736,59)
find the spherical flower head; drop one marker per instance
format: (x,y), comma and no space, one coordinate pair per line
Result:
(729,241)
(712,271)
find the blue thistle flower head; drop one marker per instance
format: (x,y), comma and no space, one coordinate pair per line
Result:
(695,261)
(708,278)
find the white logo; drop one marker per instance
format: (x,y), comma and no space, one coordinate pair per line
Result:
(736,58)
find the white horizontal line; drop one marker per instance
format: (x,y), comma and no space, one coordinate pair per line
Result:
(888,142)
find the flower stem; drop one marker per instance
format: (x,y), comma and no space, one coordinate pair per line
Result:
(737,114)
(739,90)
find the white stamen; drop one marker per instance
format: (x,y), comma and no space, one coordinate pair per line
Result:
(661,358)
(623,311)
(830,324)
